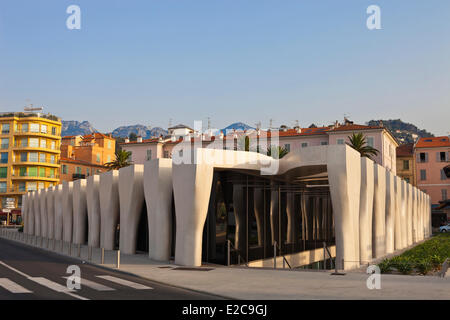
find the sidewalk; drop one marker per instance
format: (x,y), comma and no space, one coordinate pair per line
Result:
(256,283)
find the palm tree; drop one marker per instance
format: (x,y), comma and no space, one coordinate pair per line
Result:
(359,143)
(277,152)
(121,160)
(243,143)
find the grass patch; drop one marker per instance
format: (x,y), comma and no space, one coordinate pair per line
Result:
(422,259)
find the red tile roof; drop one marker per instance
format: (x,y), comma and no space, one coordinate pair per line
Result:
(75,161)
(433,142)
(405,150)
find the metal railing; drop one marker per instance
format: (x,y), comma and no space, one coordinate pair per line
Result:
(285,261)
(231,246)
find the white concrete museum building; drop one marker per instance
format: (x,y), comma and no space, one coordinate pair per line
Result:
(230,207)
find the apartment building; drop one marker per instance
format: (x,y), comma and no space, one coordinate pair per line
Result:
(29,155)
(297,138)
(406,164)
(432,156)
(82,156)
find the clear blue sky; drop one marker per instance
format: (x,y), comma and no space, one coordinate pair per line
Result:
(231,60)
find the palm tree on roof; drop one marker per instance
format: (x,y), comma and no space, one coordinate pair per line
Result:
(359,143)
(121,160)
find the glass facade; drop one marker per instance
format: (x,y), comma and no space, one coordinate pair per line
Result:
(255,213)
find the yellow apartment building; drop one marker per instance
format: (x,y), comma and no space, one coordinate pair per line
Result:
(29,155)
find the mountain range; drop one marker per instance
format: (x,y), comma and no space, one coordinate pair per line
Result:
(404,132)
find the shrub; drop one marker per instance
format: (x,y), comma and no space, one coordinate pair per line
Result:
(385,266)
(424,267)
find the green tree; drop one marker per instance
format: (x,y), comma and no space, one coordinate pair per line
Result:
(132,136)
(359,143)
(277,152)
(121,160)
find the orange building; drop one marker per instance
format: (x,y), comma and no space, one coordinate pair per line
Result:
(82,156)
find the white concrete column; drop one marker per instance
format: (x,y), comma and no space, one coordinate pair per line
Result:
(43,212)
(93,210)
(421,215)
(58,206)
(131,195)
(344,175)
(79,211)
(398,244)
(158,197)
(292,223)
(258,204)
(409,215)
(67,205)
(274,206)
(192,188)
(24,213)
(414,214)
(366,210)
(379,212)
(390,212)
(31,227)
(109,208)
(37,213)
(403,217)
(50,213)
(429,227)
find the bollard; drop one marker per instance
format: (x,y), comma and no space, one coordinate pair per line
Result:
(103,256)
(79,250)
(275,255)
(118,259)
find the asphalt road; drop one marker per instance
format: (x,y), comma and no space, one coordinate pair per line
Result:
(28,273)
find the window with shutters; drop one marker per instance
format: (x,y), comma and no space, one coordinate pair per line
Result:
(423,157)
(423,174)
(149,155)
(405,164)
(444,194)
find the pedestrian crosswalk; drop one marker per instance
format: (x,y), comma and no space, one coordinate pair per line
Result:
(119,283)
(12,286)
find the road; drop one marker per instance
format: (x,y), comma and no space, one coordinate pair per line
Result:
(28,273)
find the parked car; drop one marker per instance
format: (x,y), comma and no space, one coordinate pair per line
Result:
(445,228)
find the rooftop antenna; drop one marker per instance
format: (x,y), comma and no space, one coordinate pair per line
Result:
(270,123)
(170,122)
(297,123)
(209,123)
(258,125)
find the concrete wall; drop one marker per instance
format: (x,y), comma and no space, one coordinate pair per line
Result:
(43,212)
(93,210)
(158,197)
(58,206)
(131,195)
(366,209)
(79,211)
(67,205)
(50,213)
(344,175)
(191,187)
(109,208)
(390,212)
(379,212)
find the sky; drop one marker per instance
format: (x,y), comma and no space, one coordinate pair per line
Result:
(149,61)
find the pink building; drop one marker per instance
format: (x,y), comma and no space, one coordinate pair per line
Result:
(432,155)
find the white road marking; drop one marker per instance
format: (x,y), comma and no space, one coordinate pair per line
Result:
(12,286)
(94,285)
(45,282)
(124,282)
